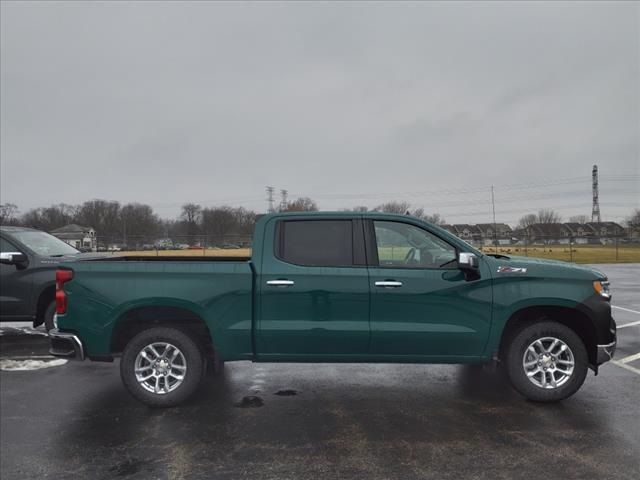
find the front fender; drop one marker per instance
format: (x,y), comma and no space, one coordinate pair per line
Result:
(514,294)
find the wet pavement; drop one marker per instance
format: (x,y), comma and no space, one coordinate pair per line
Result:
(309,421)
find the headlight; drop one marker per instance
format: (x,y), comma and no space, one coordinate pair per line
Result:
(602,287)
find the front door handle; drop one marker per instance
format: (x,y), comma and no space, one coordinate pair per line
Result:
(280,283)
(388,284)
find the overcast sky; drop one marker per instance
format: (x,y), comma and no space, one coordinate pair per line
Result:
(350,104)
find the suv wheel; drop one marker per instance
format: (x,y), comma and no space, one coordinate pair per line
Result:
(546,361)
(162,367)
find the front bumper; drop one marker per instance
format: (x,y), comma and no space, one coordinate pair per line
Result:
(605,352)
(65,345)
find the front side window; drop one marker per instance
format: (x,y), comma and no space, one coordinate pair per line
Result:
(317,243)
(407,246)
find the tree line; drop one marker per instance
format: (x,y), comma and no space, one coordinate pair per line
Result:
(133,223)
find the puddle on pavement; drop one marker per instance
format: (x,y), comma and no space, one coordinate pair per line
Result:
(250,401)
(286,392)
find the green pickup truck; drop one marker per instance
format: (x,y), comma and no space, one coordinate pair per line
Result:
(336,287)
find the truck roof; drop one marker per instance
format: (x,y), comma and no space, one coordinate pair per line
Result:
(337,214)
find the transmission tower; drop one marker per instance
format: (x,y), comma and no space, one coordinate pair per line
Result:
(595,210)
(283,200)
(270,191)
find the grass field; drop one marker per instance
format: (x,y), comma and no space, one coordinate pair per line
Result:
(577,254)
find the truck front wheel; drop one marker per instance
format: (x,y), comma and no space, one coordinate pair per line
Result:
(162,367)
(546,361)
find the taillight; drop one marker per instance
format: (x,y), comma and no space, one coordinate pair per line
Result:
(62,276)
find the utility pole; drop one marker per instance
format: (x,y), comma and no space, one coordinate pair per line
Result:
(595,209)
(283,200)
(270,208)
(495,230)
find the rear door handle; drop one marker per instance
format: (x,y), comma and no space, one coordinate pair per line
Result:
(280,283)
(388,284)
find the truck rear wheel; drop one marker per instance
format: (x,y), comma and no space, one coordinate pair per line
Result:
(546,361)
(162,367)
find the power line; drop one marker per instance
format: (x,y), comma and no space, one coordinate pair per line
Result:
(270,208)
(283,200)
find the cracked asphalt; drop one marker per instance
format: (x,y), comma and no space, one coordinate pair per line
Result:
(323,421)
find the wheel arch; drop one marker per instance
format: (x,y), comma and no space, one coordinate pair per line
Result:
(138,318)
(572,318)
(46,295)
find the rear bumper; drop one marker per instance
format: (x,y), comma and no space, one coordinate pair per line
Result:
(65,345)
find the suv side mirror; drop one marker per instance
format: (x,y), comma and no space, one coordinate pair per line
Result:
(13,258)
(468,261)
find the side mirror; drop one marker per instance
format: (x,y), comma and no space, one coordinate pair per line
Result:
(13,258)
(468,261)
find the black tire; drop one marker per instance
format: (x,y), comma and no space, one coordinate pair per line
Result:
(48,317)
(193,357)
(515,352)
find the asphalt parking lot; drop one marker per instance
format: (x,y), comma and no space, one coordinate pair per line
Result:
(322,421)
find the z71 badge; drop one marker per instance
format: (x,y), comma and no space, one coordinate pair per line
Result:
(512,270)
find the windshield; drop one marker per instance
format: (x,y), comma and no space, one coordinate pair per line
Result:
(44,244)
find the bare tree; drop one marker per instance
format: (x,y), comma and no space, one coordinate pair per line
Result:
(302,204)
(528,220)
(246,220)
(435,218)
(8,214)
(633,221)
(139,224)
(218,221)
(50,218)
(394,207)
(191,214)
(103,216)
(547,215)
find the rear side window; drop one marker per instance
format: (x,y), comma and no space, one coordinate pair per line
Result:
(316,243)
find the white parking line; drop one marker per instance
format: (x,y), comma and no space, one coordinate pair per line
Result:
(629,324)
(626,309)
(630,358)
(626,367)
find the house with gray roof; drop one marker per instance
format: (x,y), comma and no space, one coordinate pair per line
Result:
(468,233)
(82,238)
(491,233)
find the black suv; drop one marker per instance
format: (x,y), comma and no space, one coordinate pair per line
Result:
(28,262)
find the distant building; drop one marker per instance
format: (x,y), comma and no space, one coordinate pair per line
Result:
(499,233)
(606,229)
(469,233)
(82,238)
(580,233)
(544,233)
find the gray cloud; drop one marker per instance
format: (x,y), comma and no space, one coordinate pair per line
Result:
(165,103)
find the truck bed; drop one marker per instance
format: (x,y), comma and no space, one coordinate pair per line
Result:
(216,289)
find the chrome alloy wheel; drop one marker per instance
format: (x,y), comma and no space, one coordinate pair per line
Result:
(160,368)
(548,362)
